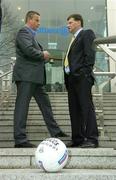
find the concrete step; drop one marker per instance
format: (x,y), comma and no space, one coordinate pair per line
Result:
(55,112)
(63,94)
(104,142)
(108,143)
(109,104)
(40,122)
(10,143)
(98,158)
(68,174)
(110,112)
(52,100)
(35,108)
(36,112)
(111,129)
(110,116)
(7,129)
(110,108)
(37,136)
(32,129)
(39,129)
(33,122)
(54,108)
(36,117)
(110,122)
(60,105)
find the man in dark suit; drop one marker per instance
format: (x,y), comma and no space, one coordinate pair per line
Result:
(79,79)
(29,76)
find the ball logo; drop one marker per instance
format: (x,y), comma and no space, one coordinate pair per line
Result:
(41,165)
(63,157)
(41,150)
(51,142)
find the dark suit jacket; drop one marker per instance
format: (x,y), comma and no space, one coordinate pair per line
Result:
(81,55)
(30,64)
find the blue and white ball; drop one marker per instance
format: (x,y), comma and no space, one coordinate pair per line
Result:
(51,155)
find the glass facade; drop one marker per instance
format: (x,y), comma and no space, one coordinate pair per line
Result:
(52,34)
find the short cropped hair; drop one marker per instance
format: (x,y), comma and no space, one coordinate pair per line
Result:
(76,17)
(30,15)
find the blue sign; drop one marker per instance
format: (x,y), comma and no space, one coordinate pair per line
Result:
(63,31)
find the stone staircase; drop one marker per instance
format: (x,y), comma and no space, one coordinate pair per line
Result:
(83,164)
(36,128)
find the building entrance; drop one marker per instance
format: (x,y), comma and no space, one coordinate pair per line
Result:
(55,76)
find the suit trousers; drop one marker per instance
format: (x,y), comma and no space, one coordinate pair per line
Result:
(25,91)
(81,108)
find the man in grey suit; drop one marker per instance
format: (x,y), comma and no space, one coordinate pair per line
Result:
(29,76)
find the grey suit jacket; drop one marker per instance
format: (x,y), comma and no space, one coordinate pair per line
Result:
(30,63)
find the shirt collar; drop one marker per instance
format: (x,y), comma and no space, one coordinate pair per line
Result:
(31,30)
(78,31)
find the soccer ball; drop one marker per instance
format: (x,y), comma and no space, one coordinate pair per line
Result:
(51,155)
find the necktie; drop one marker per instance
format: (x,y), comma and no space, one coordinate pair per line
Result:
(66,63)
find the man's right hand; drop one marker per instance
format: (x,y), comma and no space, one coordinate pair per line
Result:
(46,55)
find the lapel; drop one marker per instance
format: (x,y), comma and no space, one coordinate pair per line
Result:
(76,39)
(40,46)
(34,38)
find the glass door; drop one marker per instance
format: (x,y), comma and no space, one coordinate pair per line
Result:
(55,75)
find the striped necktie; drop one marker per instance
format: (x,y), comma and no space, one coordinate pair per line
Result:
(66,63)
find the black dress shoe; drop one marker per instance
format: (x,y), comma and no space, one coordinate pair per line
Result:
(88,144)
(72,145)
(60,134)
(25,145)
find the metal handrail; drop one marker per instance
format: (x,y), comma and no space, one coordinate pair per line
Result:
(110,74)
(6,64)
(106,40)
(9,72)
(103,44)
(6,84)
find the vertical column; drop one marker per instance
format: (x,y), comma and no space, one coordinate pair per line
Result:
(0,15)
(111,14)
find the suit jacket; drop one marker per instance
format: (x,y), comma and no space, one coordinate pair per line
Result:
(30,63)
(81,55)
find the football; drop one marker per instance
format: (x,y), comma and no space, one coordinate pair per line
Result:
(51,155)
